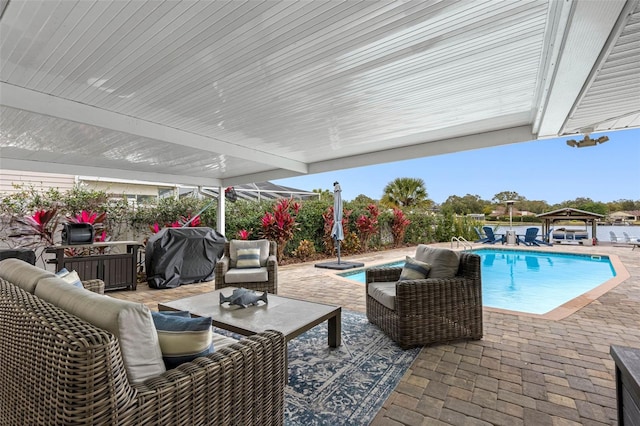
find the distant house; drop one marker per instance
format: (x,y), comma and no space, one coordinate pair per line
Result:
(502,211)
(624,217)
(476,216)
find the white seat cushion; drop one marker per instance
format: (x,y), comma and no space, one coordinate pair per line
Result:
(246,275)
(130,322)
(384,292)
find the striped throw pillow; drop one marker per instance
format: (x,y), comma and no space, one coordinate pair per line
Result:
(414,270)
(248,258)
(182,338)
(70,277)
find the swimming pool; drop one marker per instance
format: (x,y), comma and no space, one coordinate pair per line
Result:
(531,281)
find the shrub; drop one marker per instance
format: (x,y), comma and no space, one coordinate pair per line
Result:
(280,225)
(310,223)
(399,227)
(351,243)
(305,250)
(327,216)
(367,225)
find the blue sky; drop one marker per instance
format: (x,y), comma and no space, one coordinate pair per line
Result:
(548,170)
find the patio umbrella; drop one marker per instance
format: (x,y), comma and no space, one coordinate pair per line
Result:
(337,233)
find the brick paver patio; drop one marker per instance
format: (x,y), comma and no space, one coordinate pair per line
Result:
(525,371)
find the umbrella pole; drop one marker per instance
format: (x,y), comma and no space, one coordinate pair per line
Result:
(338,244)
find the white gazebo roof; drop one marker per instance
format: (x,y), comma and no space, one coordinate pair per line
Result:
(219,93)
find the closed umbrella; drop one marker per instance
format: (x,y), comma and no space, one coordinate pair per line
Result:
(337,233)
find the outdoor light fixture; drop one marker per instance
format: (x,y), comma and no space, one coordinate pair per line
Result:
(587,141)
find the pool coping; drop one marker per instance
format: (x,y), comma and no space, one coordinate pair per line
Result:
(560,312)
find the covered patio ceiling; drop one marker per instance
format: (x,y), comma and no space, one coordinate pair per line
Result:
(219,93)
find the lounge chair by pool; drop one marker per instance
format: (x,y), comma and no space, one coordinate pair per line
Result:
(491,237)
(531,238)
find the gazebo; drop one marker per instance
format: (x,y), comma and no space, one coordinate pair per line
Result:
(569,213)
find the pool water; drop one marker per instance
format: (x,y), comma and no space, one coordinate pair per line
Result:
(531,281)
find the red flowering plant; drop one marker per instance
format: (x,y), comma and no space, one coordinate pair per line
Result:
(367,225)
(280,225)
(399,226)
(327,216)
(35,230)
(243,234)
(155,228)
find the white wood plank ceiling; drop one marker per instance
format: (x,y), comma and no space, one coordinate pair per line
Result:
(217,93)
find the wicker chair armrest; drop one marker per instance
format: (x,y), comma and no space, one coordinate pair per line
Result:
(240,384)
(383,274)
(95,285)
(222,266)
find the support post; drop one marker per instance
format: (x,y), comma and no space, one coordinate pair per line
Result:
(220,223)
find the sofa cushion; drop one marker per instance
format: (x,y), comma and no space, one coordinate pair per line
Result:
(384,293)
(235,245)
(248,258)
(246,275)
(414,270)
(69,277)
(22,274)
(182,338)
(130,322)
(444,263)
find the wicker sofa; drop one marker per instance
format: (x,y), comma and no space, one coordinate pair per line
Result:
(418,312)
(58,369)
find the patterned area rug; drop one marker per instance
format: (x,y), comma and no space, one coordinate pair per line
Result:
(345,385)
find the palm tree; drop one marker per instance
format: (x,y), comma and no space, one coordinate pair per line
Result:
(405,192)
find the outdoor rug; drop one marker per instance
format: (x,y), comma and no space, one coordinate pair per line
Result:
(345,385)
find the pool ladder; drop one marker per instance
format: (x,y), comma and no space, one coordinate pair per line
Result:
(461,240)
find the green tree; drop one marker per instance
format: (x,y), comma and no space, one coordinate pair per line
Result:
(405,192)
(504,196)
(465,205)
(534,206)
(325,194)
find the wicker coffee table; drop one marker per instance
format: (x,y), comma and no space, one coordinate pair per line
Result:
(291,317)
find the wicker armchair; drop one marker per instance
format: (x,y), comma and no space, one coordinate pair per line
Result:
(270,266)
(95,285)
(430,310)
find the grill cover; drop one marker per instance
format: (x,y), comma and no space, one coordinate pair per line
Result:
(176,256)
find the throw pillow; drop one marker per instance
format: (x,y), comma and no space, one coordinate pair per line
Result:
(444,263)
(182,339)
(248,258)
(414,270)
(70,277)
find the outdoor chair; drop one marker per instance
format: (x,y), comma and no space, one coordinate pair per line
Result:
(491,237)
(481,238)
(248,264)
(415,309)
(531,238)
(614,238)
